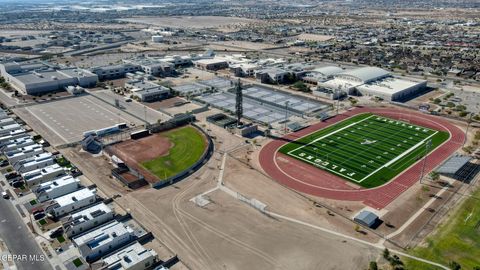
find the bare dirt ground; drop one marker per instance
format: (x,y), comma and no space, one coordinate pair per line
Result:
(195,22)
(143,149)
(229,234)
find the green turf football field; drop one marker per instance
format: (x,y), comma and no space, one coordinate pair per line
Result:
(366,149)
(188,147)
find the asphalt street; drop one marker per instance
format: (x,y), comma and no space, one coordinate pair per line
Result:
(20,240)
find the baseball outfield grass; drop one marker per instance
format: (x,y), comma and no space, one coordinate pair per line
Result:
(188,147)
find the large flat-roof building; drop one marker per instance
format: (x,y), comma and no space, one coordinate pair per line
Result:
(153,66)
(39,78)
(114,71)
(373,81)
(211,64)
(103,240)
(147,91)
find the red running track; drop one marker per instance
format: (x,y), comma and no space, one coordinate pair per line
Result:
(308,179)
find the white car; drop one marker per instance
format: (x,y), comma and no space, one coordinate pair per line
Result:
(5,195)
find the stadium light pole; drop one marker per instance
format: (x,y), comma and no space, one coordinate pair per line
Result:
(427,146)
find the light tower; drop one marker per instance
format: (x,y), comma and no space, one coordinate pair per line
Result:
(238,102)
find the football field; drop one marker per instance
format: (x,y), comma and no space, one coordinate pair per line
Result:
(366,149)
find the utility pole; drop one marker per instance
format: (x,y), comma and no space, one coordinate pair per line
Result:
(427,147)
(286,116)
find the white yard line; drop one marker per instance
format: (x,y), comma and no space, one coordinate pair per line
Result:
(400,156)
(376,170)
(329,134)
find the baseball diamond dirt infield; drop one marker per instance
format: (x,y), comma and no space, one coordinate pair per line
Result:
(156,156)
(309,179)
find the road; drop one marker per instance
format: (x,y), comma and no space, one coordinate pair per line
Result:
(18,238)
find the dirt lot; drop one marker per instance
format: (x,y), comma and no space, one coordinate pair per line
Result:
(196,22)
(143,149)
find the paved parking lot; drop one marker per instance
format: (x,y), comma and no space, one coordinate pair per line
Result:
(69,118)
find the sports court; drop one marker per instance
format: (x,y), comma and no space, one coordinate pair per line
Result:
(366,149)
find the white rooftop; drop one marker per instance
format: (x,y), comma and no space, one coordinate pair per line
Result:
(73,197)
(41,171)
(388,86)
(90,213)
(128,257)
(102,235)
(56,183)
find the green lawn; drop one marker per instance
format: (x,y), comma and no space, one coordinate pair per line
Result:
(458,239)
(77,262)
(188,147)
(61,239)
(366,149)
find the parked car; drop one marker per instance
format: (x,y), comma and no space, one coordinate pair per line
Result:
(11,175)
(18,183)
(37,210)
(38,215)
(4,163)
(5,195)
(56,233)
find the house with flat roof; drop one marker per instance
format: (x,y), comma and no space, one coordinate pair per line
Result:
(84,220)
(23,152)
(12,135)
(18,143)
(71,202)
(6,121)
(103,240)
(131,257)
(32,163)
(56,188)
(44,174)
(5,130)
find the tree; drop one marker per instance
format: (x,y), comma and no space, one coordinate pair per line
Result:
(301,86)
(373,266)
(454,265)
(353,101)
(434,175)
(386,254)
